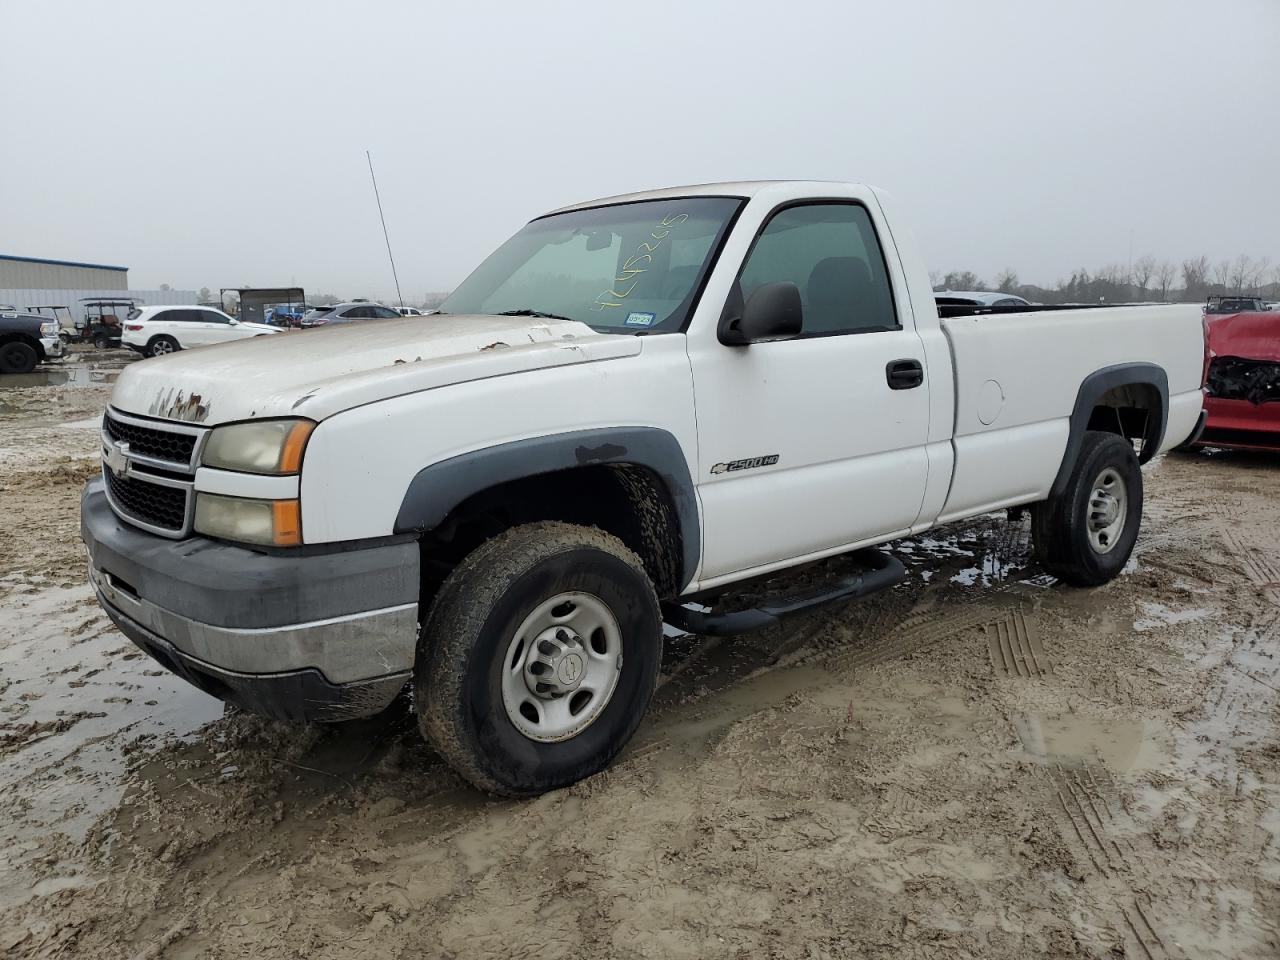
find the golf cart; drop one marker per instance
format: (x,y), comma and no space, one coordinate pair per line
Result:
(63,315)
(102,324)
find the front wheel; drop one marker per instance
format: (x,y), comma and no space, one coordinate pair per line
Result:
(1085,535)
(17,357)
(538,658)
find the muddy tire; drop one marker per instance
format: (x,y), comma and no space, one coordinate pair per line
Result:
(538,658)
(161,345)
(18,357)
(1085,536)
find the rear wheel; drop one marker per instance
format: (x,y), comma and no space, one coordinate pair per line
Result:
(159,346)
(18,357)
(538,658)
(1084,536)
(101,343)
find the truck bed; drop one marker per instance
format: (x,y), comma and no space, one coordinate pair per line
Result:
(1018,373)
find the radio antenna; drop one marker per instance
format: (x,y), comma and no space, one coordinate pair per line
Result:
(385,237)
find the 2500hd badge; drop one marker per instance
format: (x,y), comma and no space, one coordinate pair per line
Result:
(749,464)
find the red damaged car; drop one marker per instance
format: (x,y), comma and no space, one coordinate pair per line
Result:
(1242,380)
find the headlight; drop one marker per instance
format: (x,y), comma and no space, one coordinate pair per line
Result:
(272,522)
(49,328)
(266,446)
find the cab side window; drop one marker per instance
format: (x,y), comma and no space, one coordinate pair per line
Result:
(831,253)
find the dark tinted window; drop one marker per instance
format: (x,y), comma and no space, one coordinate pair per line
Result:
(384,312)
(208,316)
(831,252)
(177,316)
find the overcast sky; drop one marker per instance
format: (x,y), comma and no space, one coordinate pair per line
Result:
(221,144)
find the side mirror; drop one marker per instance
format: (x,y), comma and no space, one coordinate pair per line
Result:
(774,311)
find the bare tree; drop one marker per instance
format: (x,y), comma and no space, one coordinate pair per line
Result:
(1143,268)
(1222,273)
(1257,279)
(1241,272)
(935,278)
(1195,277)
(963,280)
(1166,271)
(1115,274)
(1007,280)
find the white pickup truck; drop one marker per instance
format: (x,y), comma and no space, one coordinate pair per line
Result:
(633,404)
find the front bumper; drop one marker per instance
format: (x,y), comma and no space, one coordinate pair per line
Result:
(306,636)
(53,346)
(1241,425)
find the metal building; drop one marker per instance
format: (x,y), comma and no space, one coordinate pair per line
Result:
(33,273)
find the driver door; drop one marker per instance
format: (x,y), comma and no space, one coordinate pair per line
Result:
(812,444)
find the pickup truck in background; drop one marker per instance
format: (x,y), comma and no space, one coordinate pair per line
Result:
(632,406)
(27,339)
(1242,380)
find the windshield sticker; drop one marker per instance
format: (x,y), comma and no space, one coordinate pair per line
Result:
(633,266)
(638,319)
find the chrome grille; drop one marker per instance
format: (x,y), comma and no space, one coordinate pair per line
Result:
(149,468)
(153,504)
(155,443)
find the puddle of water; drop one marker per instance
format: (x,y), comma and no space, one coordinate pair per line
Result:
(88,423)
(1158,615)
(76,694)
(1121,745)
(68,375)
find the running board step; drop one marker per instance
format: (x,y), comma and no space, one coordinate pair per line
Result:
(885,571)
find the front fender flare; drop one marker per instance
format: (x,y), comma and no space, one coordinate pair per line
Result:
(436,490)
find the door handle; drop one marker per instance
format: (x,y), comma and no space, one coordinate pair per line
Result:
(904,374)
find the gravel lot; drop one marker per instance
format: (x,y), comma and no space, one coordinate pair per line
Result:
(979,763)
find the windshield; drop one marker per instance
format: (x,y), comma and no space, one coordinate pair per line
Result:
(627,268)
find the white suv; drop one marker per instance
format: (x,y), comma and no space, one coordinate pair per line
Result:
(154,331)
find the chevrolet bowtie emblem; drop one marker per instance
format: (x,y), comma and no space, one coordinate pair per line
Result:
(116,457)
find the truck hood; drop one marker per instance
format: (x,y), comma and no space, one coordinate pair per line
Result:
(1254,336)
(317,373)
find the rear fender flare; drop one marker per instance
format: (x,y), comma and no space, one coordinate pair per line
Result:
(1094,387)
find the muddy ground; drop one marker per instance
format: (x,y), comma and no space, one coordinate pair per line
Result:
(979,763)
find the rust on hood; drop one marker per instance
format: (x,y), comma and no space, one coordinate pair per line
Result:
(174,404)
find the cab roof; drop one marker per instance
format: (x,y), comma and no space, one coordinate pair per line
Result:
(733,188)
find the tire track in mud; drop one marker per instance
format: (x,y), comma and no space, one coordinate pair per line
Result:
(920,631)
(1089,801)
(1008,544)
(1123,862)
(1015,647)
(1233,715)
(1083,803)
(1256,562)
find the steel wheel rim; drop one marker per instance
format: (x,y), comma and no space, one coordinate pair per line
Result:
(1108,509)
(561,667)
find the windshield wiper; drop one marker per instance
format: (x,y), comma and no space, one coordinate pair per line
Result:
(534,313)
